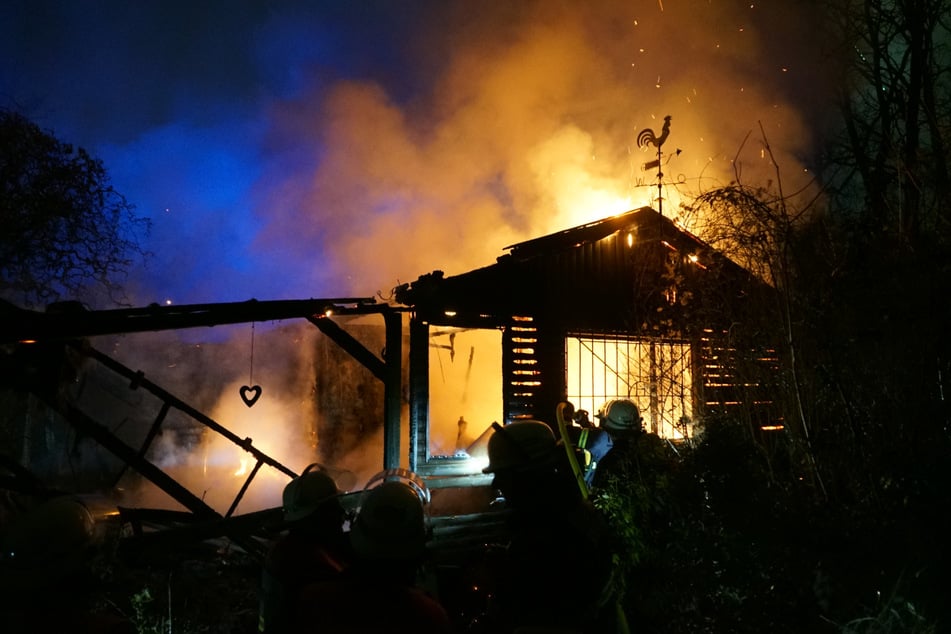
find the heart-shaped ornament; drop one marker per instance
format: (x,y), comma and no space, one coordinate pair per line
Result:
(250,394)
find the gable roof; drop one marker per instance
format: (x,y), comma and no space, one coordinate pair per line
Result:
(641,220)
(620,260)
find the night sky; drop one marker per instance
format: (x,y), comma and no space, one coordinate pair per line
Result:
(297,149)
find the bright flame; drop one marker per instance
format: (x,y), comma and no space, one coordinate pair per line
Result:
(576,186)
(243,469)
(217,468)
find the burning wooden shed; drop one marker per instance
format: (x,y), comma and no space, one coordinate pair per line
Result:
(631,306)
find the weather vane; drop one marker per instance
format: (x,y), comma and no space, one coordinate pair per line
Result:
(647,137)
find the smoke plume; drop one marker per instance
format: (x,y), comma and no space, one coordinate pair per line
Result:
(525,124)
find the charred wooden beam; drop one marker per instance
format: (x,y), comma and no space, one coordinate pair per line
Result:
(418,393)
(85,425)
(388,370)
(392,382)
(345,340)
(70,320)
(139,381)
(176,529)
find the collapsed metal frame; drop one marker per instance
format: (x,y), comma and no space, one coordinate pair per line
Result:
(70,325)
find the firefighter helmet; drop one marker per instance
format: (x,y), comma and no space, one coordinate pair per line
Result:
(407,477)
(391,523)
(47,544)
(306,493)
(620,415)
(520,444)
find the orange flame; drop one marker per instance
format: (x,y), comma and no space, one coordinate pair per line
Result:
(243,469)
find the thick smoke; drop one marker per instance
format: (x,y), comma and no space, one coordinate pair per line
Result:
(281,423)
(527,125)
(492,123)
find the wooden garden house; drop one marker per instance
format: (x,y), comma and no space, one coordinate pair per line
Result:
(631,306)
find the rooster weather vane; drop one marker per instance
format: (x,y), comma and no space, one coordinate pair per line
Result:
(647,137)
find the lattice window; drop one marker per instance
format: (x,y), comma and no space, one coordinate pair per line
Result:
(656,374)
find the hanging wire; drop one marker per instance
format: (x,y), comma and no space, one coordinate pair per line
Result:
(251,370)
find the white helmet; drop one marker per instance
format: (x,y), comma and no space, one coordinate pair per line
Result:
(620,415)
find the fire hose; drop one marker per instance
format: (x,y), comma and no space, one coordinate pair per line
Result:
(569,446)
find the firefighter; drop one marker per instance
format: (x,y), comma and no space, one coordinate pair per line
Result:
(48,575)
(632,451)
(313,548)
(556,538)
(617,419)
(588,442)
(634,476)
(381,591)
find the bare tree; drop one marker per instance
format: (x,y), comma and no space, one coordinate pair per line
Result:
(887,174)
(889,159)
(863,335)
(66,232)
(756,226)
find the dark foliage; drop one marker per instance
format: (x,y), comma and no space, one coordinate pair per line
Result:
(839,522)
(835,523)
(736,540)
